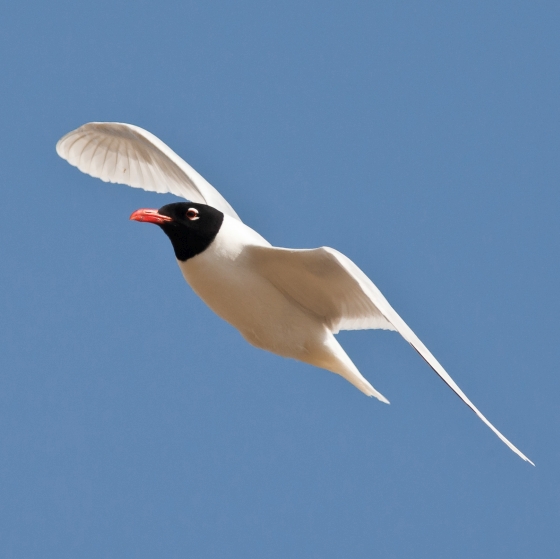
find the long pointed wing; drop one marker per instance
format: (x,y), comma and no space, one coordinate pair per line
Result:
(331,286)
(127,154)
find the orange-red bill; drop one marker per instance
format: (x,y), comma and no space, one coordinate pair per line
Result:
(149,216)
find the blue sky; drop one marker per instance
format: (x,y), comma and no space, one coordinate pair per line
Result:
(420,139)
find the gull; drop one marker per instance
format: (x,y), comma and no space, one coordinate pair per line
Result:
(290,302)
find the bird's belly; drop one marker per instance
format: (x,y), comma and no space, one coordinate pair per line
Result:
(264,316)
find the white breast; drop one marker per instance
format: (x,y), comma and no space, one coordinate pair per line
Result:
(224,278)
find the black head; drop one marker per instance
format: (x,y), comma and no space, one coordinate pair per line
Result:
(190,227)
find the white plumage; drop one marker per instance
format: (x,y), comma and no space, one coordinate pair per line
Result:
(128,154)
(290,302)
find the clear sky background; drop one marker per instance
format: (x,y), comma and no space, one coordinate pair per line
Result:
(419,138)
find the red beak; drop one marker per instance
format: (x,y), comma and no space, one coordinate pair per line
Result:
(151,216)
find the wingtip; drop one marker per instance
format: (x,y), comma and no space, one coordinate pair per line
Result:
(512,447)
(59,147)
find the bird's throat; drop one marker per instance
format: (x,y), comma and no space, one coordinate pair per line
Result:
(188,243)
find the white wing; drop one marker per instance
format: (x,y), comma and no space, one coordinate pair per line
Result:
(316,280)
(332,287)
(127,154)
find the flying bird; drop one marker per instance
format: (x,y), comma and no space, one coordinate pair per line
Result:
(287,301)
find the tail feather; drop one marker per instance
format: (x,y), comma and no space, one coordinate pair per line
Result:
(342,365)
(356,378)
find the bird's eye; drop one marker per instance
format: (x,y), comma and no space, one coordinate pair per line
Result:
(192,214)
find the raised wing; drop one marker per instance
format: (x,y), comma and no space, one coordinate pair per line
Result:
(332,287)
(128,154)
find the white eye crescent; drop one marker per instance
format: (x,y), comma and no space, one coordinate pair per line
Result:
(192,214)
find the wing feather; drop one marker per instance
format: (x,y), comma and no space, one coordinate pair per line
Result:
(126,154)
(317,282)
(329,285)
